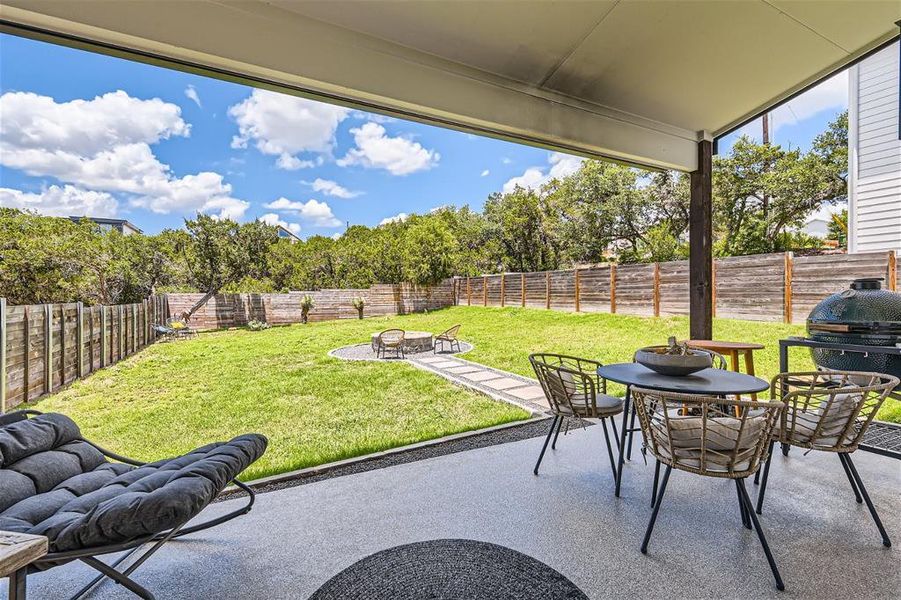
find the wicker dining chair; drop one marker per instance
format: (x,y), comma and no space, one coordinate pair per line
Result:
(447,337)
(574,390)
(709,440)
(829,411)
(390,339)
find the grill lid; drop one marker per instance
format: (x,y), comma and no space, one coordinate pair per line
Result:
(863,310)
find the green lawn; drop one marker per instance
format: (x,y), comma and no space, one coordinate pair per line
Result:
(173,397)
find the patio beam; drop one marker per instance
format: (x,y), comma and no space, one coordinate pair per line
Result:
(700,240)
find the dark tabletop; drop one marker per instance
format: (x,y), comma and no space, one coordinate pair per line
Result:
(708,381)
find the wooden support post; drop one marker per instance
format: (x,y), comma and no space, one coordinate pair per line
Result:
(503,281)
(121,332)
(103,343)
(485,290)
(656,289)
(48,348)
(576,286)
(91,340)
(134,328)
(700,240)
(892,279)
(713,287)
(3,355)
(547,294)
(787,293)
(612,288)
(62,344)
(79,340)
(522,284)
(26,366)
(468,291)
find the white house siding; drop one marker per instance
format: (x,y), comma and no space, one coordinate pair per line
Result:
(874,154)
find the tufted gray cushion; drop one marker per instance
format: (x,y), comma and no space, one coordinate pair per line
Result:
(55,484)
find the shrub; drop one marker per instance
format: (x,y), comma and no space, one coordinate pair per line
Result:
(306,304)
(359,303)
(258,325)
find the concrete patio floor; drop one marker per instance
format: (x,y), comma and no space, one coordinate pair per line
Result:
(295,539)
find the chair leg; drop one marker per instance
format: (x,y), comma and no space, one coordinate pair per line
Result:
(609,447)
(850,478)
(631,433)
(615,432)
(766,476)
(766,547)
(657,503)
(745,519)
(557,434)
(546,441)
(656,481)
(846,458)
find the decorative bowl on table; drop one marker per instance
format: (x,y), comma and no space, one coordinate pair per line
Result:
(661,360)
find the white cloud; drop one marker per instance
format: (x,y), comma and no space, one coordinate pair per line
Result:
(285,126)
(331,188)
(66,201)
(104,144)
(273,219)
(561,165)
(318,213)
(397,155)
(485,173)
(191,93)
(832,94)
(398,218)
(507,161)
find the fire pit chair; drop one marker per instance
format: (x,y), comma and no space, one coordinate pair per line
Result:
(575,391)
(702,435)
(390,339)
(90,502)
(448,337)
(829,411)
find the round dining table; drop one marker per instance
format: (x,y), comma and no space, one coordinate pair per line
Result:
(710,382)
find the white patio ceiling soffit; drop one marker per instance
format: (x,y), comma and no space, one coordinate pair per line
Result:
(637,81)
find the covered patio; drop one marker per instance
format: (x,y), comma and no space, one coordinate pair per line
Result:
(297,538)
(651,84)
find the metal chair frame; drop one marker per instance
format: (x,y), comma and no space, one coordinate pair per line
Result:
(815,393)
(110,570)
(564,378)
(711,452)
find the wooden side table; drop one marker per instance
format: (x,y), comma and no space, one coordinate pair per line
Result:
(733,350)
(17,551)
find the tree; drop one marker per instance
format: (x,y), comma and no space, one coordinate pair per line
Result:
(521,225)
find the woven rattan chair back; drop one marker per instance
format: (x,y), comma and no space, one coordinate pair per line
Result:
(570,383)
(829,410)
(701,434)
(391,338)
(450,335)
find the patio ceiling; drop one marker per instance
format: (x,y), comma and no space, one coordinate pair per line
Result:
(639,82)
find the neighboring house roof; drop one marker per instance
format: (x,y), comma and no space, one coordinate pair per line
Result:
(286,233)
(120,224)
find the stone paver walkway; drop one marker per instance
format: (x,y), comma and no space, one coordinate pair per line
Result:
(508,387)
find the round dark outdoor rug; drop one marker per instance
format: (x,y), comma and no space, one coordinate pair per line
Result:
(449,570)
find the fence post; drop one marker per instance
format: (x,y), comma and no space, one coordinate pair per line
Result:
(62,344)
(503,281)
(713,287)
(892,281)
(522,284)
(26,366)
(103,344)
(547,291)
(79,339)
(3,356)
(134,328)
(468,291)
(656,289)
(485,290)
(612,288)
(576,286)
(122,332)
(787,295)
(48,348)
(91,340)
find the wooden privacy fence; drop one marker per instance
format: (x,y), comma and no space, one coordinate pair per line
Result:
(44,347)
(761,287)
(235,310)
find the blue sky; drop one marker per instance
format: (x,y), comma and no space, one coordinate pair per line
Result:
(84,133)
